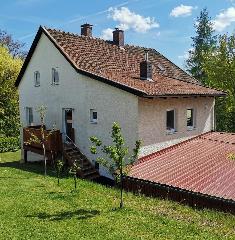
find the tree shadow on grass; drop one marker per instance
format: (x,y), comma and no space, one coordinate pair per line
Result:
(34,167)
(78,214)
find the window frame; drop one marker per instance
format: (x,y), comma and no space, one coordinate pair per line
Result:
(190,127)
(92,119)
(172,130)
(36,81)
(54,75)
(29,116)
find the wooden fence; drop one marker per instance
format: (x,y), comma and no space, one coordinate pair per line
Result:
(194,199)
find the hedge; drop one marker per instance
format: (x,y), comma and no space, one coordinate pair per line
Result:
(9,144)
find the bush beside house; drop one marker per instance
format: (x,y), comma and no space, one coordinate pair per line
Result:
(9,144)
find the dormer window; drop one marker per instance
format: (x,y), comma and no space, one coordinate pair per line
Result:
(55,76)
(37,79)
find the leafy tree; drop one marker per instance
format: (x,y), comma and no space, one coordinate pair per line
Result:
(59,166)
(73,171)
(15,48)
(203,42)
(219,66)
(9,110)
(118,162)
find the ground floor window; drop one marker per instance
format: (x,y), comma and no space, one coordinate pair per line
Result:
(170,120)
(190,118)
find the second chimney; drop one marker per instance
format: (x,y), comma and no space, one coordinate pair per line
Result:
(86,30)
(146,68)
(118,37)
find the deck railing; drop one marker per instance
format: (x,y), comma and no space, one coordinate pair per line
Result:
(53,138)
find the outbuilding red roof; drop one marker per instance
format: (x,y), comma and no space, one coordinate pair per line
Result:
(201,164)
(120,66)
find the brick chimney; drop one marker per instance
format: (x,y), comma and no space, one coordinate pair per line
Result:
(86,30)
(146,68)
(118,37)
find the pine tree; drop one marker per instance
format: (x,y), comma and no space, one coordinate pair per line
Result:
(203,42)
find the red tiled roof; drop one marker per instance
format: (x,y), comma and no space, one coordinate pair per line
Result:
(120,66)
(200,164)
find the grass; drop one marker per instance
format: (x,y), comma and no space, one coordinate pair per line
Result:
(34,207)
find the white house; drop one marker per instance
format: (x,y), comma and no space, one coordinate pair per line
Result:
(88,83)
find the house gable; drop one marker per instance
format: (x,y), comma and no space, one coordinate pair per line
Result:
(86,73)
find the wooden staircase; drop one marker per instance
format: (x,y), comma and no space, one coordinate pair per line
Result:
(71,154)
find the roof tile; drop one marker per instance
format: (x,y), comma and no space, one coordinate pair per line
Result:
(121,65)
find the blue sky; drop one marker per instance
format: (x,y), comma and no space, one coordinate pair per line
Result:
(166,25)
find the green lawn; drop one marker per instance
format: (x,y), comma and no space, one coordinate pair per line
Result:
(34,207)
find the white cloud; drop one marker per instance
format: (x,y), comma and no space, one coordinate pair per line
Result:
(182,11)
(185,55)
(131,20)
(224,19)
(107,34)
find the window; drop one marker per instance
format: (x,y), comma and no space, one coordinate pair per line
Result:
(55,76)
(29,116)
(170,121)
(37,79)
(93,116)
(190,119)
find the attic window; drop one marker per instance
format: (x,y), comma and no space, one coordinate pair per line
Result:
(55,76)
(37,79)
(161,67)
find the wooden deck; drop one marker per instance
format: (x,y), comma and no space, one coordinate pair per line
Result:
(56,148)
(53,142)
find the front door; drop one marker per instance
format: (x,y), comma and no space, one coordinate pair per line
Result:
(68,124)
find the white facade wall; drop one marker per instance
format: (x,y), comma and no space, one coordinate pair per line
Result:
(80,93)
(152,118)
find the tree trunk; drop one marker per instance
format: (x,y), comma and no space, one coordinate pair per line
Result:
(45,159)
(121,202)
(58,178)
(75,182)
(121,183)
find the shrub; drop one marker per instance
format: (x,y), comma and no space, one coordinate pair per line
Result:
(9,144)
